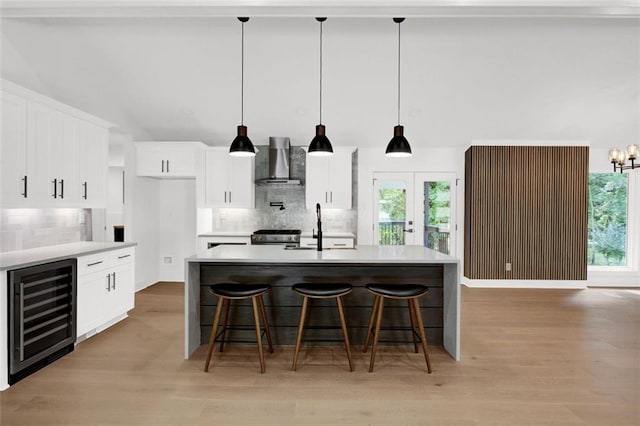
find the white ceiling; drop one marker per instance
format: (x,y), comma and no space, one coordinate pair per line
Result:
(464,78)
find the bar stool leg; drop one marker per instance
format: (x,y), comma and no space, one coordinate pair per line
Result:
(344,331)
(226,302)
(413,325)
(303,317)
(256,317)
(214,330)
(423,336)
(374,311)
(377,335)
(265,323)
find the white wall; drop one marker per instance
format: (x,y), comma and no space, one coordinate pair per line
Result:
(144,229)
(176,226)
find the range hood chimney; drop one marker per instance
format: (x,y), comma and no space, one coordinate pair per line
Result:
(279,163)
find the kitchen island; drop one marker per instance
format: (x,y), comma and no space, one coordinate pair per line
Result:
(282,268)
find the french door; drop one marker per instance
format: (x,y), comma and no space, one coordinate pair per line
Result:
(415,208)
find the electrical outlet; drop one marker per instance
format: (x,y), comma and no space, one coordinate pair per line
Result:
(507,267)
(168,259)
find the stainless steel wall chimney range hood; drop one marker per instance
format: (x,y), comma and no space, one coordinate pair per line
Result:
(279,163)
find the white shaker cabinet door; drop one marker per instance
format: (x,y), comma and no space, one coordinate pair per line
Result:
(216,178)
(317,182)
(339,180)
(241,182)
(14,173)
(93,155)
(92,299)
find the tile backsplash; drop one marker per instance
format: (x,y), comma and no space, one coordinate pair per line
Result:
(295,214)
(31,228)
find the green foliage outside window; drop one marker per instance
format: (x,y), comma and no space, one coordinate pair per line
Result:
(607,215)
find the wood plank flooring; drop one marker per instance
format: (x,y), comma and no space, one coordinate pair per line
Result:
(530,357)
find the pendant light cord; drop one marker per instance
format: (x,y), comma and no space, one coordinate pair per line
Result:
(242,80)
(399,73)
(320,72)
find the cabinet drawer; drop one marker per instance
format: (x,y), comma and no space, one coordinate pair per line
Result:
(327,242)
(93,263)
(123,256)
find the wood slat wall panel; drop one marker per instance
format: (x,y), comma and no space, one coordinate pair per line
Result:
(526,205)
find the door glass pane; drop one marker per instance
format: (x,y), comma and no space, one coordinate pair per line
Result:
(392,212)
(437,216)
(607,216)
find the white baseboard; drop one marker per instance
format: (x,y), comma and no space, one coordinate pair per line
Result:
(629,279)
(568,284)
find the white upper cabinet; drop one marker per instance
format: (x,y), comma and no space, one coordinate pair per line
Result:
(13,151)
(93,148)
(328,180)
(44,157)
(228,181)
(167,159)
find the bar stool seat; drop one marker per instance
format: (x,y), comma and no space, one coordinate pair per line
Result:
(235,291)
(321,291)
(409,292)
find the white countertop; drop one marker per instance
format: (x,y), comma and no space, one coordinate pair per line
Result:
(30,257)
(361,254)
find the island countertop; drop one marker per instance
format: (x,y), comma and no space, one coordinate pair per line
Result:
(360,254)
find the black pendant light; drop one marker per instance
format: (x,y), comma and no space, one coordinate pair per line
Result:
(241,145)
(399,145)
(320,145)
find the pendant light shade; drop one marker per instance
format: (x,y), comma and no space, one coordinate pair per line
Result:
(320,145)
(241,145)
(399,145)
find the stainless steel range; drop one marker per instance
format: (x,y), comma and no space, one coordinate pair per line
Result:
(289,237)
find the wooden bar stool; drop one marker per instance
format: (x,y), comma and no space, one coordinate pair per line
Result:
(234,291)
(408,292)
(321,291)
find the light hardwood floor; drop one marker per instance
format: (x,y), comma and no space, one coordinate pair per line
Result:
(555,357)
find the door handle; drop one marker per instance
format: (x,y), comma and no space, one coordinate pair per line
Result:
(61,188)
(114,281)
(85,190)
(55,188)
(331,199)
(108,282)
(167,166)
(162,166)
(229,197)
(225,197)
(24,179)
(408,230)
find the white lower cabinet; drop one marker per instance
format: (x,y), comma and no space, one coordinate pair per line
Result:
(106,284)
(327,242)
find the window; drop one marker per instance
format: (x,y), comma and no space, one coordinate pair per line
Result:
(607,219)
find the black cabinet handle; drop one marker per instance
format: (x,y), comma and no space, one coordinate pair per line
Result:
(229,197)
(108,282)
(167,166)
(94,263)
(122,257)
(55,188)
(162,166)
(61,188)
(114,281)
(24,179)
(85,190)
